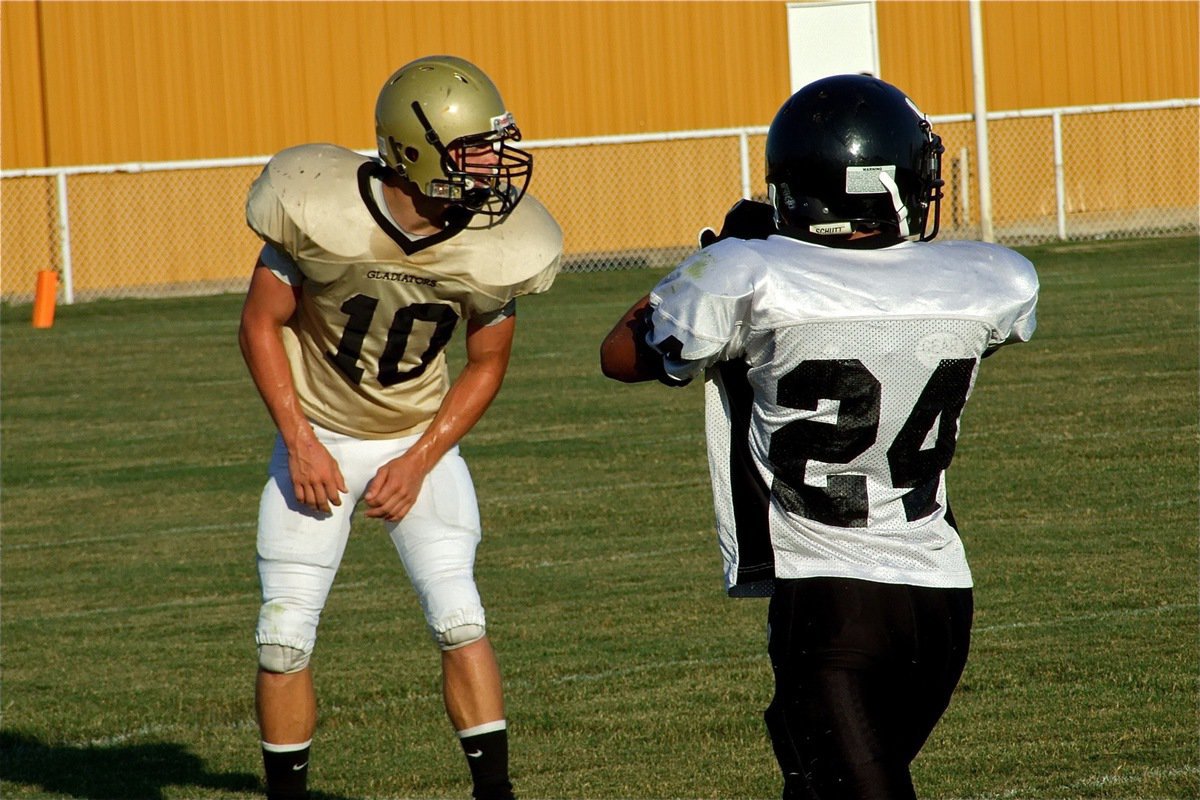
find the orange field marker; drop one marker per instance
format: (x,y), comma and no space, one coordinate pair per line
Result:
(45,298)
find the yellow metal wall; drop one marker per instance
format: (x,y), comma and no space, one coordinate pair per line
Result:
(22,113)
(113,82)
(1041,54)
(150,81)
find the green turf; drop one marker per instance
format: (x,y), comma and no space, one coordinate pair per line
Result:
(134,449)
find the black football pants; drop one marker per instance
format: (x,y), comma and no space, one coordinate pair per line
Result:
(863,672)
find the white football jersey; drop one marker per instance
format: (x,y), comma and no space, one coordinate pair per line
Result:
(835,381)
(378,307)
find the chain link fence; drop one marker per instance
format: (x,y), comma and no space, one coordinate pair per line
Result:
(623,202)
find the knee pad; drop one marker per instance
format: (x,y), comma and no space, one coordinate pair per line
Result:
(281,658)
(459,636)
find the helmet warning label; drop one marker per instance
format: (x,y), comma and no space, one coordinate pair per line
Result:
(865,180)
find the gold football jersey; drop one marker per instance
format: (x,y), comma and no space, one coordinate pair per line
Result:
(377,308)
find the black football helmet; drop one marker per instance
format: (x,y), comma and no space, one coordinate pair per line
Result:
(852,153)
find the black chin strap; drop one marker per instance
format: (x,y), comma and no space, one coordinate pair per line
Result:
(431,135)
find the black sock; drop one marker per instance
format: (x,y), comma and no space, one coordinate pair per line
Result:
(286,767)
(487,756)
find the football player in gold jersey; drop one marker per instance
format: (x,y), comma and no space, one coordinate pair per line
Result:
(368,266)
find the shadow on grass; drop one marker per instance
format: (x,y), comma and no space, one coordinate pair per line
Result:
(116,772)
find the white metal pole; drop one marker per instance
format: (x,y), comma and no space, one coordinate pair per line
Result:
(64,240)
(964,184)
(986,230)
(1060,192)
(744,155)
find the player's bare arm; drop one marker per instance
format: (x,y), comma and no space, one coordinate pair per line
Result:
(316,478)
(396,485)
(624,354)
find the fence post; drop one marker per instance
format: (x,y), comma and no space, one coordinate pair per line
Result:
(64,240)
(1060,192)
(744,155)
(984,159)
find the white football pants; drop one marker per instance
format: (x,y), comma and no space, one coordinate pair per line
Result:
(299,549)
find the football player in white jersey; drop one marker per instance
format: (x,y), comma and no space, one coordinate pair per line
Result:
(368,265)
(838,348)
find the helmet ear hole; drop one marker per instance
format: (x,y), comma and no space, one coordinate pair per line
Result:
(411,154)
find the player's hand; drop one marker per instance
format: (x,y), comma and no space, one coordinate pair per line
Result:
(317,480)
(394,489)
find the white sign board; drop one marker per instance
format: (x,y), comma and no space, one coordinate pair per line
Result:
(831,38)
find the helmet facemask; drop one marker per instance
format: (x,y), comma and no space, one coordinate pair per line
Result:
(931,181)
(482,172)
(927,197)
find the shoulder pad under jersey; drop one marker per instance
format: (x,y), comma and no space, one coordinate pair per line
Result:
(309,194)
(525,248)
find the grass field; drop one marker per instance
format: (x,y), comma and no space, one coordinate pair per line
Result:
(134,449)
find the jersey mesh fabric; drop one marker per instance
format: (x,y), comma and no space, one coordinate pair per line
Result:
(898,360)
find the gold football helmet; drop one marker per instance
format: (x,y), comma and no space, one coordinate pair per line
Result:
(440,123)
